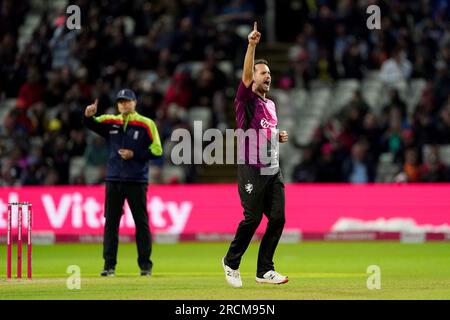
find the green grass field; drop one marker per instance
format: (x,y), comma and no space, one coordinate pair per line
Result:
(191,271)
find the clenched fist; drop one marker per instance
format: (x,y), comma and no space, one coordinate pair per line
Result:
(254,36)
(283,136)
(91,109)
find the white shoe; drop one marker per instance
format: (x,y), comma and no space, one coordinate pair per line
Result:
(272,277)
(233,277)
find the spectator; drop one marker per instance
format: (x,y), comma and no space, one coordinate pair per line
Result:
(76,143)
(237,12)
(60,160)
(18,123)
(204,89)
(300,57)
(396,69)
(411,167)
(393,135)
(357,168)
(326,66)
(61,45)
(352,61)
(324,24)
(433,170)
(306,170)
(443,127)
(179,95)
(371,132)
(397,102)
(328,169)
(31,91)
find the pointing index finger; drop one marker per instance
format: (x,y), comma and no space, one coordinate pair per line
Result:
(255,25)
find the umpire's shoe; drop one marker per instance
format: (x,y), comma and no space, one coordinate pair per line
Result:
(108,273)
(146,272)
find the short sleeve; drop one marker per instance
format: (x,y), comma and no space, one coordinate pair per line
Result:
(244,93)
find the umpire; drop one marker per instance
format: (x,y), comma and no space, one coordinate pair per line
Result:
(133,140)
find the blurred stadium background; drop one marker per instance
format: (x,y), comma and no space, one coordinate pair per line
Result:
(367,111)
(344,93)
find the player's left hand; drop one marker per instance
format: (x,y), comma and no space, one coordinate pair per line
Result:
(283,136)
(126,154)
(254,36)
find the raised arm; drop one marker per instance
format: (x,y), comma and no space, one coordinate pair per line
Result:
(91,109)
(90,121)
(253,40)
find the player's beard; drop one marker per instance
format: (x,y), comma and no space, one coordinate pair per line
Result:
(263,88)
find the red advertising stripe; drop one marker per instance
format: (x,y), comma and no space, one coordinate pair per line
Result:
(316,211)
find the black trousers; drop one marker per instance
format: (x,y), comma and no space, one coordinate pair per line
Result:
(260,194)
(136,194)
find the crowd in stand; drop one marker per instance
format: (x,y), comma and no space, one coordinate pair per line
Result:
(348,148)
(414,42)
(60,71)
(142,45)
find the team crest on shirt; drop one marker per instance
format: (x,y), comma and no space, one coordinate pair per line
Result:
(249,188)
(264,123)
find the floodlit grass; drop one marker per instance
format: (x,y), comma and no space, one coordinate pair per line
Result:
(191,271)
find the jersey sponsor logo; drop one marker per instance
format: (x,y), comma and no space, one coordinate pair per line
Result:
(136,135)
(264,123)
(116,126)
(249,188)
(113,131)
(274,154)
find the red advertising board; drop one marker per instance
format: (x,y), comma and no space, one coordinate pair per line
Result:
(198,212)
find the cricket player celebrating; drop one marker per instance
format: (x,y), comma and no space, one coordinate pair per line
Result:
(261,186)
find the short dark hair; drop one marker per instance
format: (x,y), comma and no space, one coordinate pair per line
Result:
(260,61)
